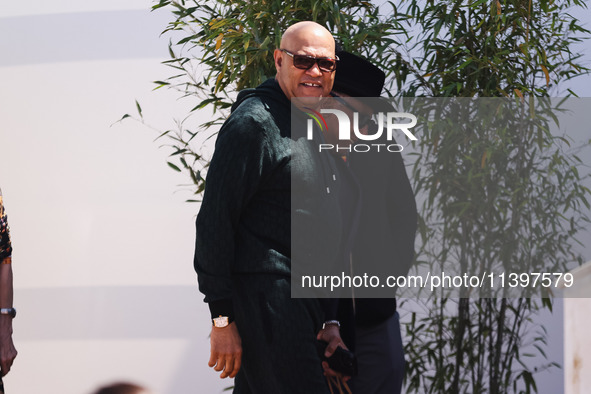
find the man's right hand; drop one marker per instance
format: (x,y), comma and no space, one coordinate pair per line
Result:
(226,350)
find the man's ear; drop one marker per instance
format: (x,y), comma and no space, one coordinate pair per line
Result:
(277,55)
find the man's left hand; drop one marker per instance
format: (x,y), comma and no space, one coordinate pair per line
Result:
(332,335)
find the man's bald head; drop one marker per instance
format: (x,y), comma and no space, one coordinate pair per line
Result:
(307,33)
(308,39)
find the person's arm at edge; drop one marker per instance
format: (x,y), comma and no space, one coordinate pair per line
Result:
(7,350)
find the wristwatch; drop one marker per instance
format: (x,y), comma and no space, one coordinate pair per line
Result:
(331,323)
(221,321)
(8,311)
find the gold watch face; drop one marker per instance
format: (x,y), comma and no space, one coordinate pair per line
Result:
(221,321)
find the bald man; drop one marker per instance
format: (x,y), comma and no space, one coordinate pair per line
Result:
(260,335)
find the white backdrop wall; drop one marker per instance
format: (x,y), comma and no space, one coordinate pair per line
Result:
(103,245)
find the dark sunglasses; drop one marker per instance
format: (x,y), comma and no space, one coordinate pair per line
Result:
(364,119)
(305,62)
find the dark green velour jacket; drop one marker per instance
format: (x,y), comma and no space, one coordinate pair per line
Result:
(245,221)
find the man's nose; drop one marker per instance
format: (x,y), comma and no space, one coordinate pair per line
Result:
(314,71)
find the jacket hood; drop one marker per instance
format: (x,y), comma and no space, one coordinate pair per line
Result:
(270,88)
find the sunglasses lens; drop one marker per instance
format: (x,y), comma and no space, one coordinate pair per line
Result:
(303,62)
(326,64)
(306,62)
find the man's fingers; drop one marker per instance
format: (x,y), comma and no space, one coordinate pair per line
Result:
(332,346)
(5,366)
(221,363)
(328,371)
(213,358)
(228,367)
(237,365)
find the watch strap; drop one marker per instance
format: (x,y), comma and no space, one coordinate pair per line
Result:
(331,323)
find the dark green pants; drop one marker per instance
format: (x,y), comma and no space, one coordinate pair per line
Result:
(278,338)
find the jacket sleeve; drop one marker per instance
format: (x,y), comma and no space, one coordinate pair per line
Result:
(233,177)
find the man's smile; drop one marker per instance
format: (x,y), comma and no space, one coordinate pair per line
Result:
(312,84)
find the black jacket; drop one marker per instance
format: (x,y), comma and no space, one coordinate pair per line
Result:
(384,243)
(260,177)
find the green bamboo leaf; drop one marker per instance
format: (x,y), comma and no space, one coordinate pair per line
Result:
(163,134)
(187,39)
(477,3)
(139,109)
(179,152)
(173,166)
(162,3)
